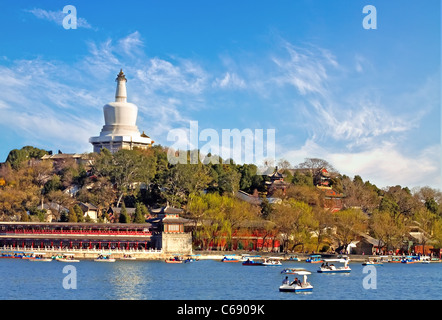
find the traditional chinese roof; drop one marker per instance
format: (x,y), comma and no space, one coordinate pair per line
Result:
(276,175)
(166,210)
(89,206)
(118,210)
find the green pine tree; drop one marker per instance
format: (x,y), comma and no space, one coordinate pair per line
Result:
(123,215)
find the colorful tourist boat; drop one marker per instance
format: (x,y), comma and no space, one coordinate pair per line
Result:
(410,259)
(27,255)
(331,268)
(7,255)
(57,256)
(251,262)
(229,258)
(192,258)
(315,258)
(175,259)
(296,285)
(16,254)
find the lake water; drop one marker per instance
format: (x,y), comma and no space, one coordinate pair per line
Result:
(210,280)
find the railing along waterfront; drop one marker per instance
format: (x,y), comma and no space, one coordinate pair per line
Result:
(78,232)
(85,250)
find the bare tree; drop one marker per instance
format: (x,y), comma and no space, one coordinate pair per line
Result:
(315,165)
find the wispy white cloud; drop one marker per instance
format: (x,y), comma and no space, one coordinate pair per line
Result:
(101,59)
(356,124)
(305,69)
(57,17)
(330,112)
(38,107)
(229,81)
(182,76)
(131,44)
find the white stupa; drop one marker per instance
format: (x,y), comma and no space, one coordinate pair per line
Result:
(120,130)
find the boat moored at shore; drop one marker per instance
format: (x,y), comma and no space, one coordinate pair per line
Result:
(67,257)
(230,258)
(410,259)
(174,259)
(40,257)
(395,259)
(128,257)
(192,258)
(377,261)
(104,257)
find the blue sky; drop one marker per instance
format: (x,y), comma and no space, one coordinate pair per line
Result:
(367,101)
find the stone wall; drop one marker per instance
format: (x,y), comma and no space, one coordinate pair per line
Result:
(176,243)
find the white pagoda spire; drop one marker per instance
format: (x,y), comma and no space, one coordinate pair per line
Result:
(121,93)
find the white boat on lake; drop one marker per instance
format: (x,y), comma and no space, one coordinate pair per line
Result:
(375,261)
(331,268)
(272,261)
(40,257)
(297,285)
(425,259)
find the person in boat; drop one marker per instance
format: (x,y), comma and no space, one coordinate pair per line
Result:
(294,282)
(286,280)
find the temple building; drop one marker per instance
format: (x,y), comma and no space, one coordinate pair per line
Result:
(120,130)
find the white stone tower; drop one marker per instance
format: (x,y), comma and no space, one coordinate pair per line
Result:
(120,130)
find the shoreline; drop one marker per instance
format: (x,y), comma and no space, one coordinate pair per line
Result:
(158,255)
(201,255)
